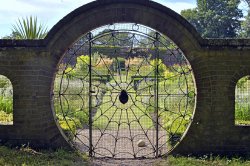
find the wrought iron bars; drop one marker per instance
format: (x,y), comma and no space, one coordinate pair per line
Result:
(124,60)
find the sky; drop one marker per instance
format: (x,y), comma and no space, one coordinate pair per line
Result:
(49,12)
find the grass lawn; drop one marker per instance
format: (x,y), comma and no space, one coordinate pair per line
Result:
(29,157)
(205,160)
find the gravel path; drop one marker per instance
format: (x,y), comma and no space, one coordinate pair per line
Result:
(123,144)
(114,162)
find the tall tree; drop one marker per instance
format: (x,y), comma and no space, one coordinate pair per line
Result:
(245,31)
(247,1)
(215,18)
(245,27)
(28,28)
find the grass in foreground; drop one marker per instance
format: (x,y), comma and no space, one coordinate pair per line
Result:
(27,156)
(205,160)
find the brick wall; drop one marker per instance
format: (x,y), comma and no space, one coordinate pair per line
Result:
(217,64)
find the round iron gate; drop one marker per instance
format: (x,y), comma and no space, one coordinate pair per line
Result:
(124,91)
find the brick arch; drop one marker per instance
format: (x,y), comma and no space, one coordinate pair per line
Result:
(217,65)
(242,72)
(99,13)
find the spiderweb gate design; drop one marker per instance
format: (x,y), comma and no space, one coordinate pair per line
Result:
(124,91)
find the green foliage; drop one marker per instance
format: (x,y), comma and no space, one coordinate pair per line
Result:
(72,113)
(101,78)
(215,19)
(242,111)
(69,125)
(6,100)
(245,32)
(28,28)
(81,67)
(175,124)
(248,2)
(121,38)
(242,82)
(107,111)
(100,66)
(242,106)
(82,64)
(208,160)
(168,74)
(161,66)
(4,83)
(192,15)
(27,156)
(6,104)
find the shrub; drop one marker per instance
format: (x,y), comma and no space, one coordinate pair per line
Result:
(82,117)
(81,66)
(176,126)
(6,104)
(169,75)
(242,82)
(69,125)
(4,82)
(242,112)
(161,66)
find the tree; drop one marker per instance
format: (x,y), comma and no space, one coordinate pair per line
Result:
(215,18)
(114,38)
(28,28)
(192,16)
(245,31)
(245,26)
(247,1)
(11,36)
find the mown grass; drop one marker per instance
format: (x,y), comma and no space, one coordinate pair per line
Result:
(204,161)
(29,157)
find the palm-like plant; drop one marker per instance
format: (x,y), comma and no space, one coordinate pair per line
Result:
(29,28)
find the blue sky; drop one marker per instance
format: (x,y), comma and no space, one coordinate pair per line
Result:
(50,12)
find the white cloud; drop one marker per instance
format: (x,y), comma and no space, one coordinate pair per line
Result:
(51,11)
(179,6)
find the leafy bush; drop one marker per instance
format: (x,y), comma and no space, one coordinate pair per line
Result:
(169,75)
(161,66)
(242,82)
(242,111)
(175,126)
(6,104)
(242,106)
(69,125)
(4,82)
(82,117)
(82,64)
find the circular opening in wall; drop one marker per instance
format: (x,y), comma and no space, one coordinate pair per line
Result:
(124,91)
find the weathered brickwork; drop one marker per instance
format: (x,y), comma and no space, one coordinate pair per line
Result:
(217,64)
